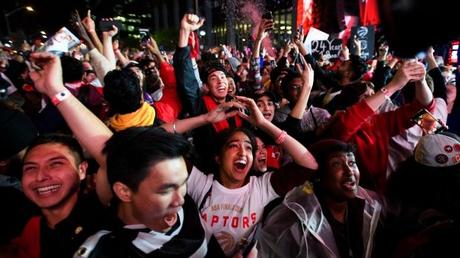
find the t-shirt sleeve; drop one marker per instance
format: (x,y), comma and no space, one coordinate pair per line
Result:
(198,184)
(265,189)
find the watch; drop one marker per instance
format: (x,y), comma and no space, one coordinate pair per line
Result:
(61,96)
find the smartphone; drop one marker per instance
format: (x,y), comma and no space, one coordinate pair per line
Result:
(268,16)
(106,25)
(145,36)
(428,122)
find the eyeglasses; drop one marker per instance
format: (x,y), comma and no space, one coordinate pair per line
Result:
(89,71)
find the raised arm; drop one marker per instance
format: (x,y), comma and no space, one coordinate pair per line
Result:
(153,48)
(222,112)
(439,82)
(307,81)
(118,54)
(90,27)
(408,71)
(187,85)
(295,149)
(108,44)
(189,23)
(91,132)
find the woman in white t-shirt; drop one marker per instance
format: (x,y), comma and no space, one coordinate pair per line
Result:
(230,201)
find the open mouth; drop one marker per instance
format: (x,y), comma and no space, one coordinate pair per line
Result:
(267,115)
(221,88)
(240,165)
(350,184)
(48,189)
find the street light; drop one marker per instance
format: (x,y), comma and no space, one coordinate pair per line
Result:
(8,14)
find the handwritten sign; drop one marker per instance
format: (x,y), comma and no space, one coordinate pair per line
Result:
(366,35)
(329,48)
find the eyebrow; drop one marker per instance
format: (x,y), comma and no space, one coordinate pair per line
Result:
(167,186)
(245,141)
(57,158)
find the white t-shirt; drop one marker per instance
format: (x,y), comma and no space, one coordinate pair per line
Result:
(230,214)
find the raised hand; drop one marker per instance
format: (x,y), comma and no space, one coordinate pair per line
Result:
(255,117)
(409,71)
(306,72)
(88,22)
(111,32)
(223,111)
(48,79)
(77,24)
(264,26)
(191,22)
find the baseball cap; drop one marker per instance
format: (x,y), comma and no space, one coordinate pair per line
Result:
(438,150)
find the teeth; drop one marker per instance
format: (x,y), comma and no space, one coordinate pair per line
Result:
(47,189)
(240,162)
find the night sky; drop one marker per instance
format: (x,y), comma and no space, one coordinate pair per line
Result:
(49,15)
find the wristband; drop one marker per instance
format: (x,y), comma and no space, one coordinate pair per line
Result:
(61,96)
(385,91)
(281,137)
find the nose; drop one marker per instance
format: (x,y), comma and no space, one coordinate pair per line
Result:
(178,198)
(241,150)
(347,169)
(41,175)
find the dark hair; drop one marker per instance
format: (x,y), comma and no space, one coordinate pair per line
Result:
(209,68)
(290,76)
(358,66)
(122,91)
(152,82)
(57,138)
(132,152)
(223,137)
(322,149)
(350,95)
(14,71)
(72,69)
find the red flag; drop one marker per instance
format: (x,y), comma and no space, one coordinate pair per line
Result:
(304,15)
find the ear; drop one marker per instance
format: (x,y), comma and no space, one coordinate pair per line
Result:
(205,88)
(122,191)
(82,170)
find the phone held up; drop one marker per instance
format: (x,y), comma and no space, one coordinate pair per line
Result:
(268,16)
(428,122)
(145,36)
(106,24)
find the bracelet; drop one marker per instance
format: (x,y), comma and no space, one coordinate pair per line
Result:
(174,127)
(60,96)
(281,137)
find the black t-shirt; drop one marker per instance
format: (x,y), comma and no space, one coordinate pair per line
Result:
(348,235)
(87,217)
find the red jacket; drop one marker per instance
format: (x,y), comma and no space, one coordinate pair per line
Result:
(169,106)
(371,133)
